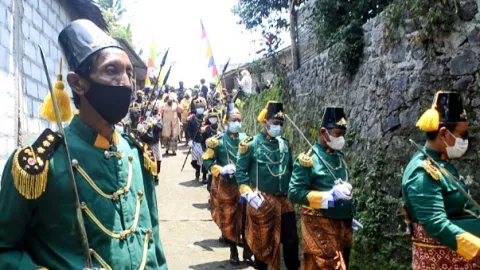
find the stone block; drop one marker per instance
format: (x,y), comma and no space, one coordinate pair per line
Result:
(37,19)
(26,66)
(34,35)
(50,65)
(36,108)
(33,125)
(42,91)
(3,12)
(462,83)
(464,64)
(52,18)
(7,3)
(55,7)
(31,88)
(391,123)
(4,57)
(33,3)
(54,50)
(43,8)
(7,104)
(474,36)
(63,17)
(5,37)
(467,9)
(48,31)
(9,125)
(27,11)
(45,43)
(36,72)
(10,144)
(25,28)
(398,53)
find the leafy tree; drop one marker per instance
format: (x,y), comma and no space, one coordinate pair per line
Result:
(113,11)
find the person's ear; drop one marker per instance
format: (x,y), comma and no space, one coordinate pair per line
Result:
(442,133)
(78,85)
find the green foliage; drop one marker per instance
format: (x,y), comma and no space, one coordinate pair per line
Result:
(381,243)
(261,13)
(430,17)
(340,22)
(254,105)
(112,11)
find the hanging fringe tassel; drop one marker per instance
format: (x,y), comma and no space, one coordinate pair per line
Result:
(31,186)
(63,101)
(430,120)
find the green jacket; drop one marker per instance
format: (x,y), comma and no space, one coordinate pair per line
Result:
(437,204)
(43,232)
(274,160)
(224,149)
(315,176)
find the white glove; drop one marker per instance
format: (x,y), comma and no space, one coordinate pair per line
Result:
(356,225)
(141,128)
(342,191)
(228,169)
(190,143)
(255,199)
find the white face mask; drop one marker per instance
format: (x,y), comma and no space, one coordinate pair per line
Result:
(275,130)
(458,149)
(336,143)
(212,120)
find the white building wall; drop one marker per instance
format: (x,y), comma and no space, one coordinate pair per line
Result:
(25,24)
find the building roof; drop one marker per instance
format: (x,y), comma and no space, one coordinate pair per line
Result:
(137,62)
(87,9)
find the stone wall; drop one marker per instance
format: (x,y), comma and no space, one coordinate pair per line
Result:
(393,86)
(383,101)
(23,26)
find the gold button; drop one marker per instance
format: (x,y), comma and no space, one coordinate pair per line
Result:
(130,157)
(140,193)
(75,163)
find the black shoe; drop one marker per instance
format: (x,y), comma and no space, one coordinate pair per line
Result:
(234,260)
(174,153)
(248,257)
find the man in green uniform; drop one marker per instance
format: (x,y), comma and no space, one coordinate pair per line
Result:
(320,183)
(445,225)
(220,159)
(265,164)
(114,176)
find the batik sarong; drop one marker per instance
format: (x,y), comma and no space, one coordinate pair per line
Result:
(197,152)
(263,228)
(429,254)
(226,209)
(324,241)
(156,151)
(171,144)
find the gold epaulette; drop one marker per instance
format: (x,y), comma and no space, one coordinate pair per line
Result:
(305,159)
(213,141)
(209,154)
(149,160)
(432,170)
(243,146)
(30,165)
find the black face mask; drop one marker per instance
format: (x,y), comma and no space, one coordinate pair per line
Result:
(111,102)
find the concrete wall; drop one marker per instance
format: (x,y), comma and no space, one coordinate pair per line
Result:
(25,24)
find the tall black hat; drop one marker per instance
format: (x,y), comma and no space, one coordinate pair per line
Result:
(447,107)
(81,39)
(334,117)
(273,110)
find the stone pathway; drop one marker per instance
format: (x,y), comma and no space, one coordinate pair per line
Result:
(188,234)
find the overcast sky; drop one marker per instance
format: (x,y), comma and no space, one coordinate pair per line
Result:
(176,24)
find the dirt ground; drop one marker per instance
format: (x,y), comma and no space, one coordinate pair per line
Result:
(188,234)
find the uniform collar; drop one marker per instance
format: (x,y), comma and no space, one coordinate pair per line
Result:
(232,135)
(434,154)
(324,149)
(90,136)
(267,137)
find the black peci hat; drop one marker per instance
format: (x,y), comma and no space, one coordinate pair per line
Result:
(81,39)
(275,111)
(447,107)
(334,117)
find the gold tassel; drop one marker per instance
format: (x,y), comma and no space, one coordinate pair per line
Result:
(63,101)
(30,186)
(77,112)
(262,116)
(430,120)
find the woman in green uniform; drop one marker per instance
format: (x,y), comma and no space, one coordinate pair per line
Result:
(445,224)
